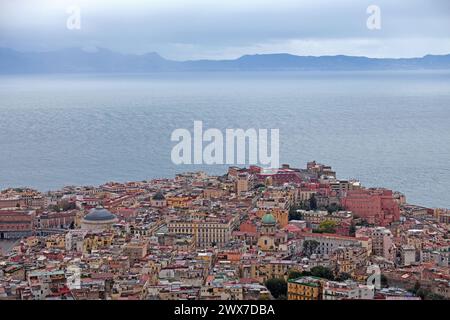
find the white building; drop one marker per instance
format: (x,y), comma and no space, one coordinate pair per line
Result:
(333,290)
(382,243)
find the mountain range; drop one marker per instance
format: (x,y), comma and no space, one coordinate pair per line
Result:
(76,60)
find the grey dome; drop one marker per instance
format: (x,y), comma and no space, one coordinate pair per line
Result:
(99,214)
(158,196)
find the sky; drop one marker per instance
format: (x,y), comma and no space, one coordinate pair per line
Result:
(227,29)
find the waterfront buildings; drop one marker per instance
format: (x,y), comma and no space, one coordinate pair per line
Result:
(198,236)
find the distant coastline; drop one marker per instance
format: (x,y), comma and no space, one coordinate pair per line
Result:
(76,60)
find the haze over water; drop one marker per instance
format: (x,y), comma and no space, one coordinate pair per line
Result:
(388,129)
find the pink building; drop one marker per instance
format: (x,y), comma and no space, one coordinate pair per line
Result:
(377,206)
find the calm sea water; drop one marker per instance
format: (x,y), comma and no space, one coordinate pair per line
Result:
(386,129)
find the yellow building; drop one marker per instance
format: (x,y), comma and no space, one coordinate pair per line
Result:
(32,241)
(56,241)
(78,217)
(305,288)
(135,251)
(275,269)
(96,241)
(179,202)
(443,215)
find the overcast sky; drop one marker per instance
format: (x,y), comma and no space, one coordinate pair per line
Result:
(193,29)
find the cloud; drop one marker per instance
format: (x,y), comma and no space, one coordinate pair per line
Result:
(184,29)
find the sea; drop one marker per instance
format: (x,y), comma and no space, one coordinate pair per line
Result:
(386,128)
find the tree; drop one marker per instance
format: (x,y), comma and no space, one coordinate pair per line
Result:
(327,226)
(294,214)
(322,272)
(294,274)
(309,247)
(352,229)
(333,208)
(422,293)
(384,281)
(434,296)
(277,287)
(416,287)
(426,294)
(62,206)
(259,185)
(66,205)
(343,276)
(304,205)
(313,202)
(306,274)
(364,223)
(53,207)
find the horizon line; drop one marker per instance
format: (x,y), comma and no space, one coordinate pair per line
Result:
(98,49)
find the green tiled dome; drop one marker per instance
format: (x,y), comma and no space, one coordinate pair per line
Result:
(268,218)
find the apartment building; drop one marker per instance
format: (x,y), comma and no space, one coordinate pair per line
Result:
(333,290)
(205,230)
(305,288)
(382,241)
(328,243)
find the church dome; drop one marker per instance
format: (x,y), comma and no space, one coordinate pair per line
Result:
(268,218)
(99,214)
(158,196)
